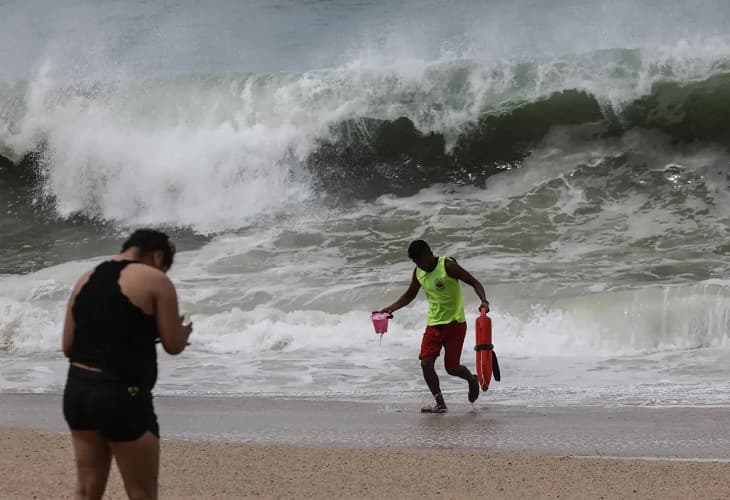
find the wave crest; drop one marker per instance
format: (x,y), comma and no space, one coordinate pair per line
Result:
(236,147)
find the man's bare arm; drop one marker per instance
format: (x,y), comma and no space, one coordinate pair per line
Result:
(173,334)
(456,271)
(69,325)
(407,297)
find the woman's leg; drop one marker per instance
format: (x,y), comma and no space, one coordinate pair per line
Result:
(93,458)
(139,465)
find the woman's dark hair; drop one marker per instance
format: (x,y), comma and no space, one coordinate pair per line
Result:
(418,248)
(150,240)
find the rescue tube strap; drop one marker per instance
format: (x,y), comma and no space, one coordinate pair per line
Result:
(495,367)
(484,347)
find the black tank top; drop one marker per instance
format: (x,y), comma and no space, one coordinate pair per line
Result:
(111,333)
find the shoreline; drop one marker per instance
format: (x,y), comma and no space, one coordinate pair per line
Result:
(695,434)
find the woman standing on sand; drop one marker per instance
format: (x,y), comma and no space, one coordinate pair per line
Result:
(115,315)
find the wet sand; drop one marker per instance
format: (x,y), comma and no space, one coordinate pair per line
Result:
(233,448)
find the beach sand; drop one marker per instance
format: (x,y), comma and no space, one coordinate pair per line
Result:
(39,464)
(249,447)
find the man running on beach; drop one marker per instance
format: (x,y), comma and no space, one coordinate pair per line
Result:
(446,325)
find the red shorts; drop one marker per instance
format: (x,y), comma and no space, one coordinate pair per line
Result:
(450,336)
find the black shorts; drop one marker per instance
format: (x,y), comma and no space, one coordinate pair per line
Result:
(97,401)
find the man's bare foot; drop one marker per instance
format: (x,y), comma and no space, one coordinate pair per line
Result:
(437,408)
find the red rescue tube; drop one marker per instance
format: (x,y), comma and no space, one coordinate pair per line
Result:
(486,358)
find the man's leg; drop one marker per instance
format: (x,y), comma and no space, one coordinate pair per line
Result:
(139,465)
(432,380)
(460,371)
(93,458)
(430,350)
(463,372)
(428,366)
(454,334)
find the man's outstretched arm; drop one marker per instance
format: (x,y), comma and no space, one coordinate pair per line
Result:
(456,271)
(407,297)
